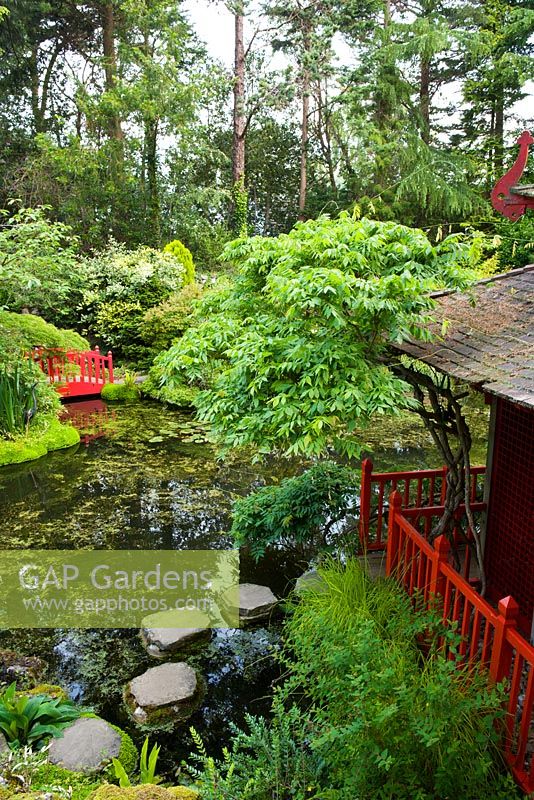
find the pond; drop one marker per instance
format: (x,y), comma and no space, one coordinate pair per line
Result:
(146,477)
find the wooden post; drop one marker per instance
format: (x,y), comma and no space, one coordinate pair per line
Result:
(110,366)
(365,502)
(502,651)
(392,553)
(440,556)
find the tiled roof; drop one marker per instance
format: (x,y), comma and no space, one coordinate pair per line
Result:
(488,336)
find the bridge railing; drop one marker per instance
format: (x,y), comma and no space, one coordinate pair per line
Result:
(489,636)
(423,498)
(75,372)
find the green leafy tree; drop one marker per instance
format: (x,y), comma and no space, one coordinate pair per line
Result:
(295,352)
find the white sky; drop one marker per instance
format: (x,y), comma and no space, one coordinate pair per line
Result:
(214,24)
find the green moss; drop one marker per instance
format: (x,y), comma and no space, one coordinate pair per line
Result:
(119,393)
(51,435)
(48,777)
(50,689)
(145,791)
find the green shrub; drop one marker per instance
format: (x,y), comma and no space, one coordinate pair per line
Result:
(299,512)
(33,719)
(178,395)
(268,761)
(184,256)
(166,322)
(20,332)
(119,393)
(121,285)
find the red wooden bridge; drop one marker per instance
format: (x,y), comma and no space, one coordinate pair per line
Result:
(75,373)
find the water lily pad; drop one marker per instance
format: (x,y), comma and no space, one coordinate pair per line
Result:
(156,439)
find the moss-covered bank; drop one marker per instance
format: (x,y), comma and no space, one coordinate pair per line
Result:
(50,435)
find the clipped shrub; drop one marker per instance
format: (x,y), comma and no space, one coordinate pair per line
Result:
(20,332)
(48,434)
(184,256)
(166,322)
(119,393)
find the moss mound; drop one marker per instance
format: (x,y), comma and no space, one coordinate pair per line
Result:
(119,393)
(51,435)
(50,689)
(49,778)
(146,791)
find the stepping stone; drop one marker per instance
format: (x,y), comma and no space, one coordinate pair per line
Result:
(310,581)
(161,639)
(170,692)
(255,602)
(4,747)
(88,745)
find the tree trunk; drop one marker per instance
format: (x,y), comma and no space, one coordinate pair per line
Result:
(499,132)
(304,134)
(238,147)
(110,64)
(151,149)
(424,99)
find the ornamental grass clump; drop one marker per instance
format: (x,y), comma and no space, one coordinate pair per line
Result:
(387,721)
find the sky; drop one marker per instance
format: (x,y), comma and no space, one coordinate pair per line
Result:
(214,24)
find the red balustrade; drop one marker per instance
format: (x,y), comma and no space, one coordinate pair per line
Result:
(489,636)
(423,497)
(75,373)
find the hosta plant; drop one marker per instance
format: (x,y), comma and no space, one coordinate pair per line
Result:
(26,720)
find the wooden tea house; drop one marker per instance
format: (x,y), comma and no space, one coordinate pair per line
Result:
(489,344)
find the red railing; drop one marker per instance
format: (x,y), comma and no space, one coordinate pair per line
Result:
(423,497)
(489,636)
(75,373)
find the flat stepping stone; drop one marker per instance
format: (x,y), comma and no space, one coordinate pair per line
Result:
(255,602)
(162,639)
(4,747)
(170,692)
(88,745)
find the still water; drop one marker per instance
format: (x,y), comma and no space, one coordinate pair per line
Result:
(146,477)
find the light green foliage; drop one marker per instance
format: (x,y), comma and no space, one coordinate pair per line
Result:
(294,354)
(147,767)
(33,719)
(119,392)
(299,511)
(20,332)
(386,721)
(121,285)
(58,780)
(269,761)
(143,792)
(47,435)
(184,256)
(179,395)
(167,321)
(38,264)
(515,243)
